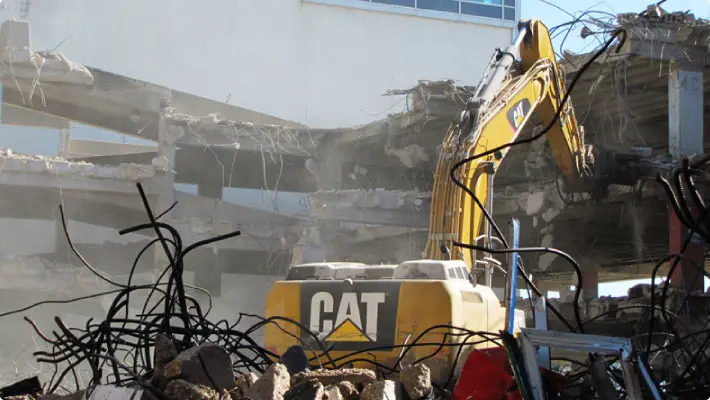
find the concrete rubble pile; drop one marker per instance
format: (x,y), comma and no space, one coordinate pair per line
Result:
(204,372)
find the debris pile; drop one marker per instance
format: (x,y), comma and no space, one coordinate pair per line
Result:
(204,372)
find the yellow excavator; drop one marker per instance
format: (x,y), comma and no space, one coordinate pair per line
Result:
(362,315)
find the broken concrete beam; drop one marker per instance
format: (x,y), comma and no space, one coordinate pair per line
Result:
(380,390)
(411,208)
(48,172)
(416,380)
(356,376)
(382,207)
(212,130)
(181,389)
(16,48)
(206,364)
(272,385)
(306,390)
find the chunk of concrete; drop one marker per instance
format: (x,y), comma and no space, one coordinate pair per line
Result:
(272,385)
(348,390)
(207,364)
(416,380)
(380,390)
(356,376)
(180,389)
(306,390)
(333,393)
(534,203)
(243,383)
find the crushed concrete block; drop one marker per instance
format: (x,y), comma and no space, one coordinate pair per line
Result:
(181,389)
(306,390)
(380,390)
(416,380)
(243,383)
(356,376)
(534,203)
(206,364)
(272,385)
(348,390)
(165,352)
(333,393)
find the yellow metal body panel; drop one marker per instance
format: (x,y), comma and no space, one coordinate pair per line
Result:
(455,217)
(421,304)
(283,300)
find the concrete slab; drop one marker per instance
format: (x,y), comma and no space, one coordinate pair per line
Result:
(227,167)
(50,172)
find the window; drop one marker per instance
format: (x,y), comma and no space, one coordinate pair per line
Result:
(498,9)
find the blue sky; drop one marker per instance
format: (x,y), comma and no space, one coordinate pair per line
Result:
(552,16)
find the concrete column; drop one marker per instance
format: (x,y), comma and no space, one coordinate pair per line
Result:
(685,137)
(64,145)
(166,196)
(590,283)
(311,249)
(208,274)
(330,168)
(590,278)
(329,176)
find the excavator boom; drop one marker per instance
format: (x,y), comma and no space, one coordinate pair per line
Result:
(495,116)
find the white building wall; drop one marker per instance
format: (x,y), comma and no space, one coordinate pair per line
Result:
(322,65)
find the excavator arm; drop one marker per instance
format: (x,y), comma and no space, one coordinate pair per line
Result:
(495,116)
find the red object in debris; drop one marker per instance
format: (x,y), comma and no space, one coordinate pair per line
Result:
(486,375)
